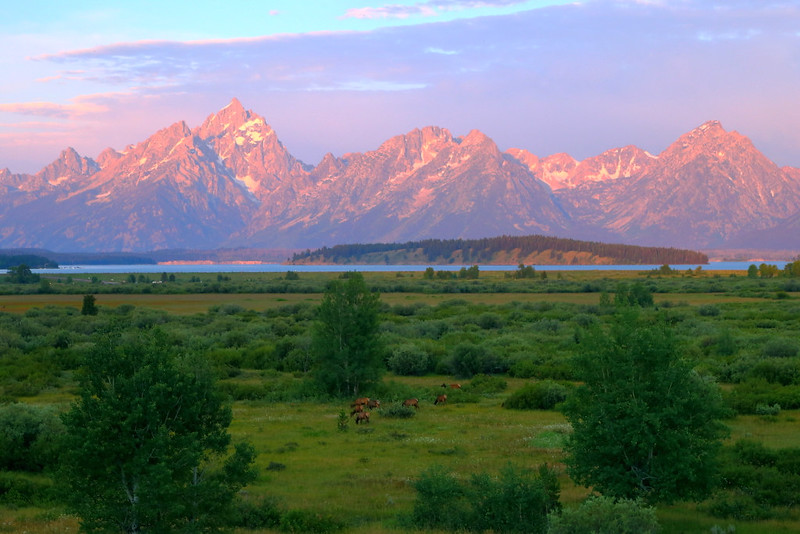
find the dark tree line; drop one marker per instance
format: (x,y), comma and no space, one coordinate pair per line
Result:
(484,250)
(30,260)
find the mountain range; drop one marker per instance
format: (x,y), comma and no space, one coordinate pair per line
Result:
(230,182)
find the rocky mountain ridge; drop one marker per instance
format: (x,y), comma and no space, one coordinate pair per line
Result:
(230,182)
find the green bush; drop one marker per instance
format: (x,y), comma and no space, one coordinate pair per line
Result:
(17,489)
(28,437)
(784,371)
(708,310)
(755,480)
(441,501)
(512,502)
(604,515)
(766,409)
(258,513)
(738,506)
(746,396)
(396,410)
(780,347)
(544,395)
(523,368)
(408,359)
(515,501)
(487,384)
(469,359)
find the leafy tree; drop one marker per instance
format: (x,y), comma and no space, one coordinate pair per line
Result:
(146,442)
(524,271)
(792,269)
(345,338)
(645,425)
(471,273)
(89,307)
(21,274)
(634,295)
(767,271)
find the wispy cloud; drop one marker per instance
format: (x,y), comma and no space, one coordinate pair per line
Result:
(431,8)
(548,79)
(79,108)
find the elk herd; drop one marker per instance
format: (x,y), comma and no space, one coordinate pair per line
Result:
(361,406)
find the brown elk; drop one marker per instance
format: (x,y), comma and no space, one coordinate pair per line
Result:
(360,401)
(441,399)
(373,404)
(358,408)
(452,386)
(362,417)
(411,402)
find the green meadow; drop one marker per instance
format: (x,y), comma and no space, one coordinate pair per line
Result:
(359,478)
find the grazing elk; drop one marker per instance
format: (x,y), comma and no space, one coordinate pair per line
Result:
(411,402)
(358,408)
(441,399)
(362,417)
(373,404)
(452,386)
(360,401)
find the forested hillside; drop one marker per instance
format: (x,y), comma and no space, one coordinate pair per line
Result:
(503,250)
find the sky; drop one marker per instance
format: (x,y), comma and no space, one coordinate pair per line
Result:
(341,76)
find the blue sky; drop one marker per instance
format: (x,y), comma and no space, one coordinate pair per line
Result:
(337,76)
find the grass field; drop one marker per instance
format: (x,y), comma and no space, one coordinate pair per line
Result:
(363,476)
(186,304)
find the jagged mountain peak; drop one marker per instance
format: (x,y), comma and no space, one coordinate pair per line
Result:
(235,118)
(710,139)
(107,156)
(230,182)
(68,166)
(477,137)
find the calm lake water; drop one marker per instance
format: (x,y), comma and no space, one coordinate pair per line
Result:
(280,268)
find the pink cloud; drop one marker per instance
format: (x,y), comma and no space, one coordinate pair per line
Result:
(79,107)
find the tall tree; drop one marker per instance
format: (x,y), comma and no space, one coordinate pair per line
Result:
(22,274)
(147,441)
(345,341)
(644,423)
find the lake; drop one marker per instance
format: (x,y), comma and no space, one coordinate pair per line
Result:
(280,268)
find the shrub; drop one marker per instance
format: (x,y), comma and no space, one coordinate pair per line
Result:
(523,368)
(746,396)
(28,437)
(256,513)
(542,395)
(487,384)
(441,501)
(604,515)
(408,359)
(741,507)
(308,521)
(755,480)
(398,411)
(784,371)
(23,490)
(489,321)
(766,409)
(779,347)
(708,310)
(515,501)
